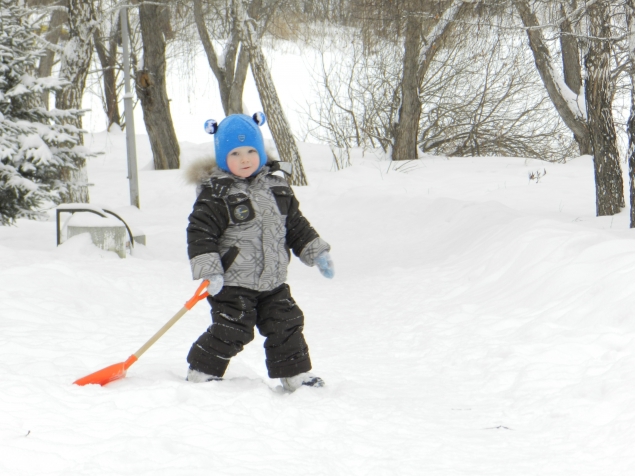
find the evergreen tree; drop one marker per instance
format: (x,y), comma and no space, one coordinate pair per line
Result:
(37,147)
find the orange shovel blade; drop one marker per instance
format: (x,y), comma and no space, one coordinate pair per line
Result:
(107,374)
(117,371)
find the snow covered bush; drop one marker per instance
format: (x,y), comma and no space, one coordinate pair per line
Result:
(37,148)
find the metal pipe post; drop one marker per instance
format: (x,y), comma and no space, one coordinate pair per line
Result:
(131,146)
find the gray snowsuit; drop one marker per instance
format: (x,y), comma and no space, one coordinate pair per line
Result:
(244,229)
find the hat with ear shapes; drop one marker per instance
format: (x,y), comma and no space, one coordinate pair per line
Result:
(237,130)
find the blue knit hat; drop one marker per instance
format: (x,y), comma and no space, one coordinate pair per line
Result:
(237,130)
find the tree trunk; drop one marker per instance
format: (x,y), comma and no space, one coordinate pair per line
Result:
(238,84)
(631,149)
(151,87)
(630,127)
(230,73)
(108,60)
(53,35)
(75,62)
(572,69)
(570,54)
(570,113)
(77,55)
(278,124)
(407,127)
(416,63)
(609,185)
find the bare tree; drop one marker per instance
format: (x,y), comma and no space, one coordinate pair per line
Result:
(75,62)
(251,30)
(609,185)
(407,124)
(480,96)
(630,126)
(106,48)
(230,67)
(55,31)
(417,58)
(77,54)
(150,85)
(592,124)
(570,51)
(422,26)
(486,98)
(569,103)
(357,93)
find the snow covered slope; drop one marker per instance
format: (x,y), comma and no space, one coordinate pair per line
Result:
(479,323)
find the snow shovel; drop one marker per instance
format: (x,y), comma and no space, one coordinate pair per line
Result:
(117,371)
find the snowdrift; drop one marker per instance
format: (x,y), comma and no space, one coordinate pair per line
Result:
(479,323)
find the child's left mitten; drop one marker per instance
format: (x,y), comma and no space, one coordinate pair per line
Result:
(325,264)
(216,283)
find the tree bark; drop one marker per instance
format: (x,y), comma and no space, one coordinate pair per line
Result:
(416,64)
(631,148)
(570,53)
(572,69)
(630,127)
(53,36)
(570,113)
(407,126)
(230,73)
(75,62)
(77,55)
(609,184)
(278,124)
(108,60)
(151,86)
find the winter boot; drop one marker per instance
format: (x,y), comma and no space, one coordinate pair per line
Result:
(199,377)
(291,384)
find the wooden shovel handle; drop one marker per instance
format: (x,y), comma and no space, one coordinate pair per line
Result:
(200,293)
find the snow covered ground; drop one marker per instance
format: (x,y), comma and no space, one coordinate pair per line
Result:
(479,323)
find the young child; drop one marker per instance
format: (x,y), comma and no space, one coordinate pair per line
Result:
(245,221)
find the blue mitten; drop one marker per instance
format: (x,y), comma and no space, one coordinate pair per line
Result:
(216,282)
(325,264)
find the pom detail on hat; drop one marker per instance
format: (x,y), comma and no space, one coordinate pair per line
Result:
(260,118)
(211,126)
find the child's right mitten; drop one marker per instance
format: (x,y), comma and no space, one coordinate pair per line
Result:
(216,282)
(325,264)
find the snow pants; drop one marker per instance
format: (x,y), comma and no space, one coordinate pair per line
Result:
(235,312)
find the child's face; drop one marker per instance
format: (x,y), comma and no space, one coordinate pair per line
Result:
(243,161)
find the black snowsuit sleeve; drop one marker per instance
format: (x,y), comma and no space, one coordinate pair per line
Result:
(207,223)
(299,231)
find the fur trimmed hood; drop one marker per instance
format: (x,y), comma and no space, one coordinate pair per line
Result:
(200,170)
